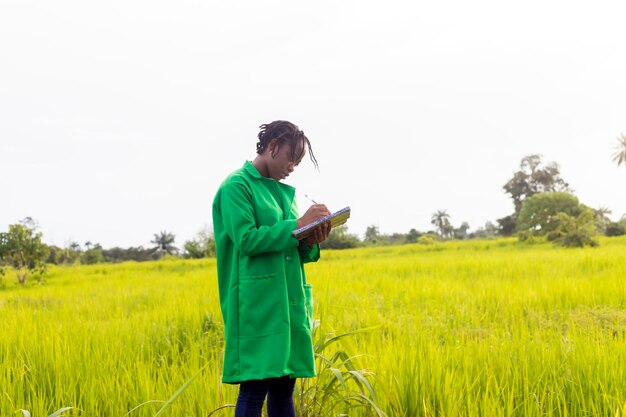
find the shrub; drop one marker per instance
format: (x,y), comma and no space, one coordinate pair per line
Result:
(574,231)
(340,387)
(425,240)
(615,229)
(339,238)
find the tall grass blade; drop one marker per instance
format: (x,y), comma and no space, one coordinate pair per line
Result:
(179,392)
(221,408)
(60,411)
(142,404)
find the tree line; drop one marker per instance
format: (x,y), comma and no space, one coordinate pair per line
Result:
(544,207)
(22,250)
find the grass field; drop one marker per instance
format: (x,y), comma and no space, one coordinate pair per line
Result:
(493,328)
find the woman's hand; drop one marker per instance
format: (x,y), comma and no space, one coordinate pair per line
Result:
(319,235)
(315,212)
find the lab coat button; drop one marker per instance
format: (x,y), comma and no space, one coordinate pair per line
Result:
(287,258)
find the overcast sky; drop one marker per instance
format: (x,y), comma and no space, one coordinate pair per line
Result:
(119,119)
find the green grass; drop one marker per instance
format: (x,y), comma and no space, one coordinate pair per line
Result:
(462,328)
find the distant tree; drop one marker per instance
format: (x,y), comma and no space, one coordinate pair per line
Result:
(339,238)
(487,231)
(60,256)
(192,249)
(52,254)
(507,225)
(88,244)
(615,229)
(395,239)
(601,216)
(164,242)
(372,234)
(461,232)
(441,220)
(22,249)
(534,178)
(93,255)
(538,213)
(620,151)
(412,236)
(201,246)
(490,228)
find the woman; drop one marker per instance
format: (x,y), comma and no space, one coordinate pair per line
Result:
(265,299)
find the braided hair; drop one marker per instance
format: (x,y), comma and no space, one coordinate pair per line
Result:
(283,131)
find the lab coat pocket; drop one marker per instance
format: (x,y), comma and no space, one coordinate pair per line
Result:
(261,310)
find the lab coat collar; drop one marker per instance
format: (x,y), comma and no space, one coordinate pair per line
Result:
(252,171)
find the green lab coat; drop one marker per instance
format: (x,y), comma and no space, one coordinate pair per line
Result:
(265,299)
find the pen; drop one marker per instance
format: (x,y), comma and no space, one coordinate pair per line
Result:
(307,196)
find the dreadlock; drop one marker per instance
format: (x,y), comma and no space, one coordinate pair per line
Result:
(283,131)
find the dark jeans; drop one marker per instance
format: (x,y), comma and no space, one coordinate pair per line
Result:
(279,393)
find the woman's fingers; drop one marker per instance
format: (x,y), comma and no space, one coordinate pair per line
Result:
(320,234)
(315,212)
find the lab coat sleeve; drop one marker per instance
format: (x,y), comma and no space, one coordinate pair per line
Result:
(309,253)
(237,213)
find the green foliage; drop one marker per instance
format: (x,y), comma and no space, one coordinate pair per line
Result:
(412,236)
(574,231)
(339,238)
(460,233)
(372,234)
(507,225)
(138,254)
(201,246)
(96,254)
(538,212)
(615,229)
(427,239)
(62,256)
(178,392)
(194,250)
(22,249)
(601,218)
(341,387)
(534,178)
(394,239)
(488,231)
(92,256)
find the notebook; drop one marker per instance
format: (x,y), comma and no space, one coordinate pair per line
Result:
(336,219)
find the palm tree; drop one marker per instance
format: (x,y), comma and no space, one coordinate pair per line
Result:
(165,243)
(620,151)
(441,220)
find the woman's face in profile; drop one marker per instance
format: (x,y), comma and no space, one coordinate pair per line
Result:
(283,162)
